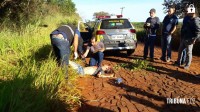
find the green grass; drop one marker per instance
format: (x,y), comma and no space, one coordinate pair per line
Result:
(136,65)
(30,79)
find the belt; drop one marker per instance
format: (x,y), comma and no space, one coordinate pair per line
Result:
(151,35)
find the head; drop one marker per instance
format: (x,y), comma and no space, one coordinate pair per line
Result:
(107,69)
(191,11)
(93,41)
(171,11)
(152,12)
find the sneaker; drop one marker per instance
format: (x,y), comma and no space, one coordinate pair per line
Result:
(163,59)
(152,59)
(186,67)
(197,76)
(176,63)
(168,60)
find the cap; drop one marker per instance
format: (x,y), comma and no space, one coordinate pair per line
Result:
(152,10)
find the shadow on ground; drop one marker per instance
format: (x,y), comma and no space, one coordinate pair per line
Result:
(147,103)
(89,108)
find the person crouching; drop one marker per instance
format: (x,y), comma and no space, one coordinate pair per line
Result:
(97,49)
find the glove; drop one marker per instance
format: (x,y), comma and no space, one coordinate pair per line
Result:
(75,55)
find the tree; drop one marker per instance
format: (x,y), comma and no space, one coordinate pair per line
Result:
(180,5)
(19,12)
(66,6)
(102,13)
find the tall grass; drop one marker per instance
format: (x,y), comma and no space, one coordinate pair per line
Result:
(30,79)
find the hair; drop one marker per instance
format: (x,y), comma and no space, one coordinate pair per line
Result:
(172,7)
(93,38)
(109,71)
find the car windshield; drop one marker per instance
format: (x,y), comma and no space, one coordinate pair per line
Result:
(115,24)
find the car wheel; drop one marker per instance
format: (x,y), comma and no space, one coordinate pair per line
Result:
(130,52)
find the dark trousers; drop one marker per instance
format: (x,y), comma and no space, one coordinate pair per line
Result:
(96,59)
(61,49)
(149,42)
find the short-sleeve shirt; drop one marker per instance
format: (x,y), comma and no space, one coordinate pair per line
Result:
(154,24)
(78,33)
(169,23)
(97,47)
(68,31)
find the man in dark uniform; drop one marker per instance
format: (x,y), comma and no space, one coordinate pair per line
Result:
(151,26)
(62,38)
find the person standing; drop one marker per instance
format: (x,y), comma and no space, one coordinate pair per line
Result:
(61,39)
(151,26)
(191,32)
(185,20)
(170,23)
(97,49)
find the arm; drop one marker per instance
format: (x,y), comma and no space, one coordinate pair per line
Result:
(157,25)
(197,27)
(145,24)
(175,26)
(102,47)
(173,30)
(75,42)
(86,53)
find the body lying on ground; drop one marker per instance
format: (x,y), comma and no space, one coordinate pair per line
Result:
(103,71)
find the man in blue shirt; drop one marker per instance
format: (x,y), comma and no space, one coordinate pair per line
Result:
(170,23)
(151,26)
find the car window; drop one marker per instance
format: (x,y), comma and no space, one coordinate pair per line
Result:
(115,24)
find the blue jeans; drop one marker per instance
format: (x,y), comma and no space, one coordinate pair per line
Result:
(61,48)
(184,45)
(149,41)
(183,58)
(166,46)
(80,45)
(78,68)
(96,59)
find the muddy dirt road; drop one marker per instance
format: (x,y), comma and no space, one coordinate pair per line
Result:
(142,90)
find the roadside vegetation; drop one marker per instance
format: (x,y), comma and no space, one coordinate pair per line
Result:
(135,65)
(30,79)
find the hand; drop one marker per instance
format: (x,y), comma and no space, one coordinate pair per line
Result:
(75,55)
(170,33)
(83,56)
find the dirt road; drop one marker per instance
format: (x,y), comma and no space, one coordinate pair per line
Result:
(142,90)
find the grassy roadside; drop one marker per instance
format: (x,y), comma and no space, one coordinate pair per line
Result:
(30,79)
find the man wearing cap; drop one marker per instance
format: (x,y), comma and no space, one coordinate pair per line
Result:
(170,23)
(62,38)
(151,26)
(191,32)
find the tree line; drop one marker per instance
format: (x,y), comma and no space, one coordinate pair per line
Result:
(180,6)
(19,13)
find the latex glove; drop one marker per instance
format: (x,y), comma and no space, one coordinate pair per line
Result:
(75,55)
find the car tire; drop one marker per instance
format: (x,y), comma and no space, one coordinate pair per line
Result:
(130,52)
